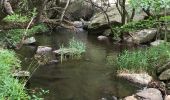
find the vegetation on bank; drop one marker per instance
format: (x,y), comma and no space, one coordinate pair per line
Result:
(16,18)
(10,88)
(14,36)
(143,60)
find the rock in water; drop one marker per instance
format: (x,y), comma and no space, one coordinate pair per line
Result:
(165,75)
(43,49)
(142,78)
(101,37)
(30,40)
(149,94)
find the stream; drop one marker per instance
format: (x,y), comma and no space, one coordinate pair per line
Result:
(89,78)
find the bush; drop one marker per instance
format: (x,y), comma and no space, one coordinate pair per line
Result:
(143,60)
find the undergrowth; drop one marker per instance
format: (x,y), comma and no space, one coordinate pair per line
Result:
(10,88)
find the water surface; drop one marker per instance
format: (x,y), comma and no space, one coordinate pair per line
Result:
(89,78)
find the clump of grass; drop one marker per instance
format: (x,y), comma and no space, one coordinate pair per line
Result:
(16,18)
(10,88)
(143,60)
(74,49)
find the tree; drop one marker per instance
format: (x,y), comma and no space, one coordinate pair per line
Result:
(153,8)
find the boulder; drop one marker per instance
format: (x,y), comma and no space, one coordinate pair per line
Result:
(165,75)
(99,20)
(144,36)
(157,42)
(102,38)
(141,79)
(43,49)
(149,94)
(77,10)
(130,98)
(30,40)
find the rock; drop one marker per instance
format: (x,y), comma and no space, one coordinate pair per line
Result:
(141,79)
(144,36)
(21,74)
(43,49)
(30,40)
(78,10)
(101,38)
(107,32)
(149,94)
(130,98)
(78,24)
(99,21)
(167,97)
(165,75)
(157,42)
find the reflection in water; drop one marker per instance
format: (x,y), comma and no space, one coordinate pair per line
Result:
(87,79)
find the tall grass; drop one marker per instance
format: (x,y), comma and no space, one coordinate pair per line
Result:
(74,49)
(143,60)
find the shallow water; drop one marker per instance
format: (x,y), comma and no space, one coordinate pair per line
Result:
(89,78)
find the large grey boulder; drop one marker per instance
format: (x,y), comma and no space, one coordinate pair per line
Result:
(141,79)
(99,20)
(130,98)
(144,36)
(149,94)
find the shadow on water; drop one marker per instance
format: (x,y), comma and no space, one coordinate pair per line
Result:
(90,78)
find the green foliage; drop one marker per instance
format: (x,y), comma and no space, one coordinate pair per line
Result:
(154,6)
(16,18)
(14,36)
(143,60)
(10,88)
(8,61)
(133,26)
(74,50)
